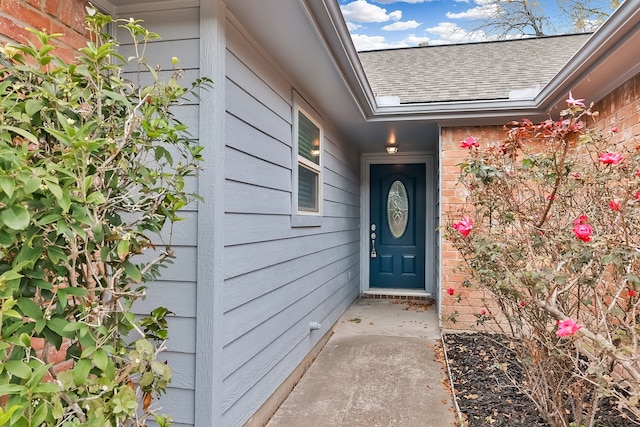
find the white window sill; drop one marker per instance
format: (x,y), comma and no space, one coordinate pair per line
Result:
(306,220)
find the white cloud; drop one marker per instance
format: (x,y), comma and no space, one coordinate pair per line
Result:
(362,11)
(401,26)
(352,26)
(478,12)
(363,42)
(449,32)
(396,15)
(400,1)
(413,40)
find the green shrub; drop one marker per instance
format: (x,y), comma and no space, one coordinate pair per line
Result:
(93,172)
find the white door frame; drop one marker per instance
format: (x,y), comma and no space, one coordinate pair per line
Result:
(365,197)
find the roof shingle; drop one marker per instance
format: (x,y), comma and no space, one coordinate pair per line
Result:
(467,72)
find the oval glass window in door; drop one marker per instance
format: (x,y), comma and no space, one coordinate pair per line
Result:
(397,209)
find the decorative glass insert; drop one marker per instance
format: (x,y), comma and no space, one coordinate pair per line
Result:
(397,209)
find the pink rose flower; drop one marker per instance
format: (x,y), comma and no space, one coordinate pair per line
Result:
(483,312)
(574,102)
(451,291)
(582,229)
(615,206)
(614,129)
(610,158)
(567,327)
(469,142)
(464,226)
(632,293)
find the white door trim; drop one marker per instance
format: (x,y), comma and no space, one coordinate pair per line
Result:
(365,197)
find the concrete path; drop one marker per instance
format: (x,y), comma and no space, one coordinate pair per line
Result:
(379,369)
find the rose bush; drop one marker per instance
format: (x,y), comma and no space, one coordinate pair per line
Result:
(93,172)
(554,251)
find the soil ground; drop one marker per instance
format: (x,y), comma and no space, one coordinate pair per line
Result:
(487,397)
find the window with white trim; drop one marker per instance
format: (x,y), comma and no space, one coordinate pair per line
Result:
(307,176)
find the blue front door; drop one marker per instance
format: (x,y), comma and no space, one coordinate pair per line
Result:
(397,228)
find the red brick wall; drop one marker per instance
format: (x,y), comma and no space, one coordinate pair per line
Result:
(621,108)
(54,16)
(453,200)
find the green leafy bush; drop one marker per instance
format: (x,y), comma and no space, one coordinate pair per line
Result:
(92,167)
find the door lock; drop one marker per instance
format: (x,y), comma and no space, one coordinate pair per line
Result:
(373,241)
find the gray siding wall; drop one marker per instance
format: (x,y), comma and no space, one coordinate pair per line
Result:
(176,289)
(278,278)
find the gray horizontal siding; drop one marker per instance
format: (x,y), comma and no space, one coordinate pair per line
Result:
(278,278)
(176,287)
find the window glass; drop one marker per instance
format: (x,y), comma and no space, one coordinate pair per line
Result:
(307,189)
(309,153)
(308,139)
(397,209)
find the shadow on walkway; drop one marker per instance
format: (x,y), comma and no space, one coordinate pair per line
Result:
(379,369)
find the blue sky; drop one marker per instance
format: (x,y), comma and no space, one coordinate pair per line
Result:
(383,24)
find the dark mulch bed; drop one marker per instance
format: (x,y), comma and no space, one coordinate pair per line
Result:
(486,395)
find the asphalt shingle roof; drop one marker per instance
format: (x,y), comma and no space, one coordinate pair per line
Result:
(465,72)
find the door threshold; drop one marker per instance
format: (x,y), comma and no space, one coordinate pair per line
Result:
(401,294)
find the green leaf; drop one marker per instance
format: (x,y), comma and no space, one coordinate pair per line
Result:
(32,106)
(23,133)
(40,414)
(46,388)
(104,253)
(30,308)
(16,217)
(123,249)
(18,368)
(100,359)
(58,325)
(31,184)
(11,389)
(76,292)
(8,185)
(146,379)
(27,257)
(25,340)
(133,272)
(5,416)
(56,254)
(81,371)
(65,202)
(96,198)
(52,337)
(55,189)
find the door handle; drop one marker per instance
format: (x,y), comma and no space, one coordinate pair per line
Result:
(373,241)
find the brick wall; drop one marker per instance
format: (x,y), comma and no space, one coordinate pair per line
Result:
(621,108)
(54,16)
(464,301)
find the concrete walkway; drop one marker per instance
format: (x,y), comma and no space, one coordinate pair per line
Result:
(379,369)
